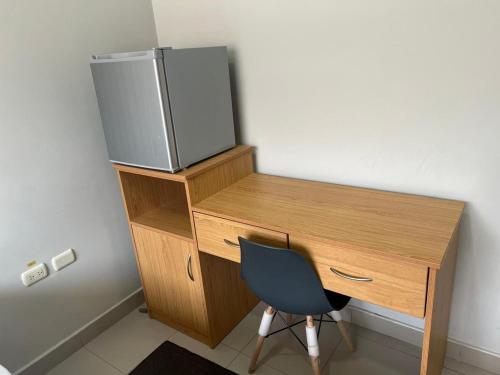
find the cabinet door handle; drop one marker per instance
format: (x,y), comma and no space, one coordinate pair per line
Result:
(190,268)
(231,243)
(350,277)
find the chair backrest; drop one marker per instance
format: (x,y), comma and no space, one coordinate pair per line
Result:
(283,279)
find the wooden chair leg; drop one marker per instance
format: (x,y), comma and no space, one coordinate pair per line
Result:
(289,319)
(256,353)
(265,325)
(312,344)
(315,365)
(344,330)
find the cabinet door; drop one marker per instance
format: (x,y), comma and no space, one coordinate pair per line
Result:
(172,278)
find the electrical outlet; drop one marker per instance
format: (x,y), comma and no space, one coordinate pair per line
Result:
(34,274)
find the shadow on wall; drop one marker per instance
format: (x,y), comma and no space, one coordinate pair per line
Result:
(236,102)
(472,242)
(233,74)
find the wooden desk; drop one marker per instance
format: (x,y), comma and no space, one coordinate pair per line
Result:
(405,244)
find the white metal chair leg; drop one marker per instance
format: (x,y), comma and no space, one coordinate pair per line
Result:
(344,330)
(312,344)
(265,325)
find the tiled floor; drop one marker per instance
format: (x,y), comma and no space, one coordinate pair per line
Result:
(123,346)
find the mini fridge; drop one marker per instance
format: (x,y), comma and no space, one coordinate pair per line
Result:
(164,108)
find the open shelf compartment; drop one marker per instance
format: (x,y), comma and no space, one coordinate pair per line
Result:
(156,203)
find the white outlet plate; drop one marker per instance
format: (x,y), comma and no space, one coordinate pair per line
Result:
(62,260)
(34,274)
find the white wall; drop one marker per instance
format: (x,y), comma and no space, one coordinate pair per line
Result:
(57,189)
(395,94)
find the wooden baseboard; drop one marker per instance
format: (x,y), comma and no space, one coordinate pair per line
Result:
(82,336)
(456,350)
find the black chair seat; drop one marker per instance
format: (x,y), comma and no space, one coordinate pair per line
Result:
(337,300)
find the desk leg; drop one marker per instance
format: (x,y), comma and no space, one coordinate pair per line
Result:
(437,311)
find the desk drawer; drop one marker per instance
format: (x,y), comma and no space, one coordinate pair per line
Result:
(379,280)
(212,234)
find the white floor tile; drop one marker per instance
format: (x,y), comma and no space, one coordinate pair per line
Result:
(387,341)
(282,351)
(241,363)
(82,362)
(222,355)
(124,345)
(241,335)
(463,368)
(371,358)
(130,340)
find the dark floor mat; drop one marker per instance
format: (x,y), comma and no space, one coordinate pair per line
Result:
(169,358)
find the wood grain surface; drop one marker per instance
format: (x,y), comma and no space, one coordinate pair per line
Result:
(406,227)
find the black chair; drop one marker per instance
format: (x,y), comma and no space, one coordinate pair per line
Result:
(286,282)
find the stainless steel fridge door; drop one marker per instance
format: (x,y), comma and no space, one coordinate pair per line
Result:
(200,102)
(132,96)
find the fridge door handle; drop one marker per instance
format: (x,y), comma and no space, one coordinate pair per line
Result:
(127,56)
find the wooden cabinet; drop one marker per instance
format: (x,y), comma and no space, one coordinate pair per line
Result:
(182,287)
(171,278)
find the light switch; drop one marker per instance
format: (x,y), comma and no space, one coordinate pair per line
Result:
(62,260)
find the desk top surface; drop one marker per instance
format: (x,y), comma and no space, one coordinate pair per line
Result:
(409,227)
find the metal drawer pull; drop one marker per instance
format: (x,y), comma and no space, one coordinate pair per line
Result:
(349,277)
(190,268)
(231,243)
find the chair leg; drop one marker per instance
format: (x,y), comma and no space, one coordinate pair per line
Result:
(344,330)
(289,319)
(312,344)
(265,325)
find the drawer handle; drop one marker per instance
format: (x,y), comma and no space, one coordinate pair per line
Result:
(190,268)
(350,277)
(231,243)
